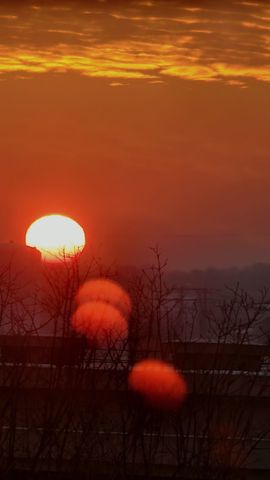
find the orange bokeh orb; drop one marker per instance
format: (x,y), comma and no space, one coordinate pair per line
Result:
(107,291)
(159,383)
(100,322)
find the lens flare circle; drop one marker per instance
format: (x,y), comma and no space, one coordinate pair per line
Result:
(102,323)
(158,383)
(107,291)
(56,237)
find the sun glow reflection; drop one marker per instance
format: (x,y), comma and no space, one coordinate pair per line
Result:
(158,383)
(57,237)
(157,43)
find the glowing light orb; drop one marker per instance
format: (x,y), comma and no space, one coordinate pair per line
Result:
(105,290)
(159,383)
(100,322)
(223,450)
(57,237)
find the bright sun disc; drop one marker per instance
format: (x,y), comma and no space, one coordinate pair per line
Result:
(56,237)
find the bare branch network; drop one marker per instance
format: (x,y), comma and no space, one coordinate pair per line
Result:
(65,406)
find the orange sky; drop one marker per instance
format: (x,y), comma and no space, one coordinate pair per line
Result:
(146,121)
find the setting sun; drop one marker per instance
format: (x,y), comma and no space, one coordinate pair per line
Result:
(56,237)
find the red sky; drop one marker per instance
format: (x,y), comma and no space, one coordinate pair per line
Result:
(147,122)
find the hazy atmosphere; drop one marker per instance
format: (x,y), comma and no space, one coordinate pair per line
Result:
(134,240)
(146,121)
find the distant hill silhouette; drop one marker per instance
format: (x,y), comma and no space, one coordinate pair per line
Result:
(251,278)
